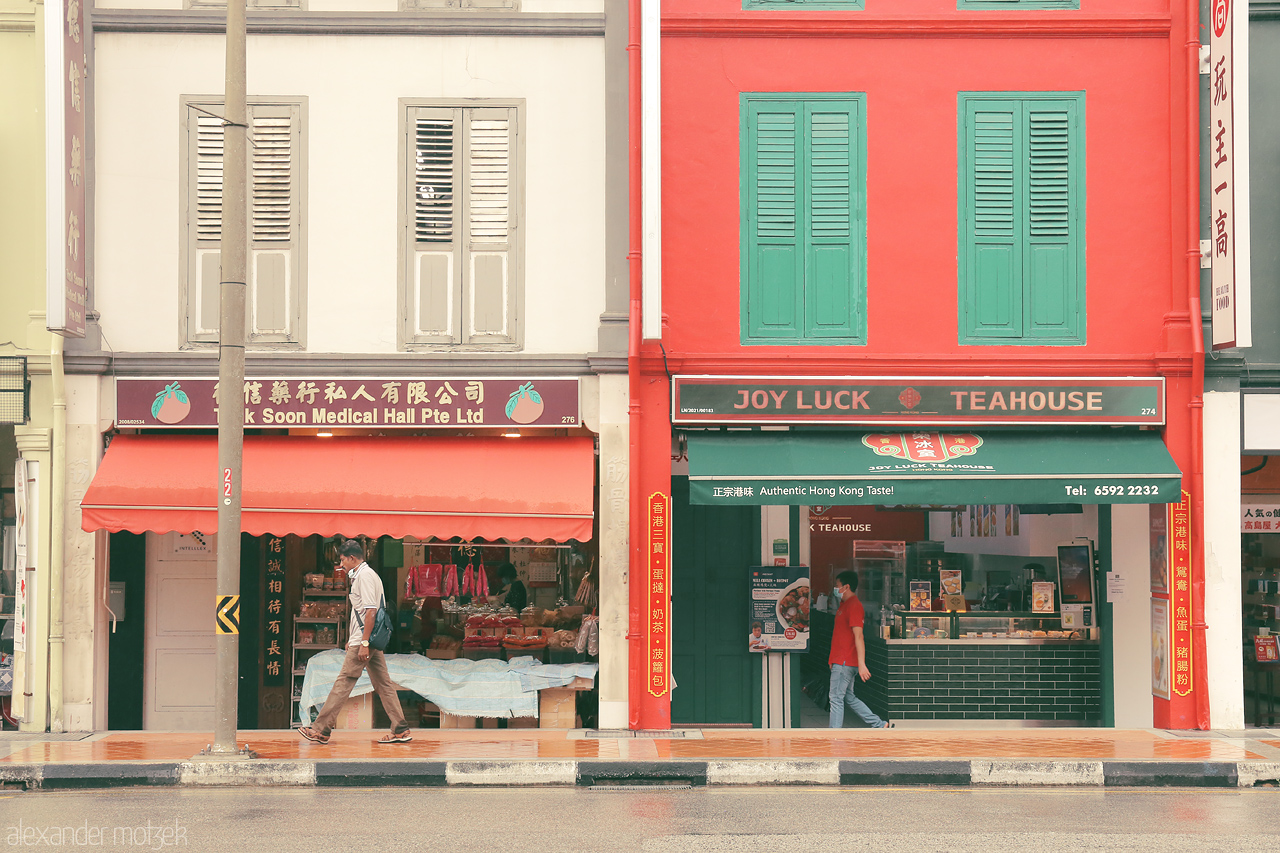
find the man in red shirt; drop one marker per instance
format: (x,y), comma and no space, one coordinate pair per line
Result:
(849,653)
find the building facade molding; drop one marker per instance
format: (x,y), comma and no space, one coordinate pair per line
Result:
(354,23)
(786,25)
(338,364)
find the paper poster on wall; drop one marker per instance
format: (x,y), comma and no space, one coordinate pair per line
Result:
(1159,547)
(1160,648)
(1042,597)
(779,603)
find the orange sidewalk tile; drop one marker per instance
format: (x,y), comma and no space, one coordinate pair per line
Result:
(432,744)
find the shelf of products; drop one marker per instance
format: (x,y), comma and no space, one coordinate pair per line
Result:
(321,624)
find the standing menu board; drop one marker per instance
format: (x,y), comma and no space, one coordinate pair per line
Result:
(779,603)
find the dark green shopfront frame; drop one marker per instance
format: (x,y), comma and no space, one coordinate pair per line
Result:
(835,467)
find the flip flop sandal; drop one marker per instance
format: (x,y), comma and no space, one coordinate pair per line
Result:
(403,737)
(313,735)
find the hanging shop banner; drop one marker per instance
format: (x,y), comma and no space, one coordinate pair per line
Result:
(65,120)
(1180,594)
(169,402)
(1260,518)
(932,400)
(1228,172)
(274,637)
(659,598)
(779,602)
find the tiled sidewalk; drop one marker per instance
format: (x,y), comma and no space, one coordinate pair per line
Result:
(535,744)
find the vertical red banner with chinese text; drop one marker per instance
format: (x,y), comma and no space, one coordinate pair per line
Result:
(659,551)
(1180,594)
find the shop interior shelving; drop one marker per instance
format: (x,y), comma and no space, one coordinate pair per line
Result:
(302,652)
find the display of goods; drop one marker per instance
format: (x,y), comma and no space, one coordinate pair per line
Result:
(563,640)
(482,642)
(535,641)
(326,636)
(313,580)
(308,608)
(443,642)
(306,636)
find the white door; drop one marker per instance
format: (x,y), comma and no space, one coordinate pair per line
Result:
(179,651)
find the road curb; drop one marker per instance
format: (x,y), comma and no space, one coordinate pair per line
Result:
(369,774)
(1037,773)
(772,772)
(106,774)
(1171,774)
(512,773)
(910,772)
(597,772)
(604,772)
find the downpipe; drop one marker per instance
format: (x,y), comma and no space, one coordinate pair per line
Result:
(57,535)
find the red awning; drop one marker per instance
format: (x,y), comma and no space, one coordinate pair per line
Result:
(476,488)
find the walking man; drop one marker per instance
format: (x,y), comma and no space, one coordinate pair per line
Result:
(849,656)
(366,595)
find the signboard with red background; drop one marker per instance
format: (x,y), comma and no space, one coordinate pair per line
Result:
(658,526)
(408,402)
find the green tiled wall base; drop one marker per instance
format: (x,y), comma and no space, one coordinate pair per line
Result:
(944,681)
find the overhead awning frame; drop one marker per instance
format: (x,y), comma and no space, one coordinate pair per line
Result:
(930,468)
(533,488)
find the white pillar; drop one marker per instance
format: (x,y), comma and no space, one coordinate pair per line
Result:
(1222,593)
(605,402)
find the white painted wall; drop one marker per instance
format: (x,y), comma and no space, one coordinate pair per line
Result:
(1222,592)
(1131,615)
(353,84)
(364,5)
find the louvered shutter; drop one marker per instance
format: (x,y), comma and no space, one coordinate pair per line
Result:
(490,224)
(274,222)
(832,291)
(992,259)
(1050,230)
(205,223)
(273,219)
(772,239)
(435,143)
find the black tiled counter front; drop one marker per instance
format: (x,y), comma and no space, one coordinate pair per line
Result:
(984,680)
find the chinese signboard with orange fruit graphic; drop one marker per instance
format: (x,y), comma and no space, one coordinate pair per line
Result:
(939,401)
(659,597)
(357,402)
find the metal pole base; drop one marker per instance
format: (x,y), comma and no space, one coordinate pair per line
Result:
(212,753)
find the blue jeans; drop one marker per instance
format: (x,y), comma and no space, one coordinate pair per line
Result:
(842,681)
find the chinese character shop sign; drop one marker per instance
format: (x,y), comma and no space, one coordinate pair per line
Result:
(356,402)
(274,637)
(1180,593)
(1228,173)
(658,598)
(66,118)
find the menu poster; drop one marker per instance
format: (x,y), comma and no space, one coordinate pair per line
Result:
(779,604)
(951,582)
(1042,597)
(921,595)
(1159,548)
(1267,650)
(1160,648)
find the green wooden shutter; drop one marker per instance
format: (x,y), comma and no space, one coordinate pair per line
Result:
(772,241)
(1051,234)
(1021,220)
(992,298)
(832,292)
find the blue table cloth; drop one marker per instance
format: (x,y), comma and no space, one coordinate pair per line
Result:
(467,688)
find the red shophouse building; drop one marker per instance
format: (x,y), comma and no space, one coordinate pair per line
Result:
(927,269)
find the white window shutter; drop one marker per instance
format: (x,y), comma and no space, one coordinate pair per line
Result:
(491,151)
(434,136)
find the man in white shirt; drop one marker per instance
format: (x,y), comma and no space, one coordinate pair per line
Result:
(366,595)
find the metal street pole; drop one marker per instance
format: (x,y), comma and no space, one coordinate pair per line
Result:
(231,384)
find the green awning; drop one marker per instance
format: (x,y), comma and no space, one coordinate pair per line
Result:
(844,468)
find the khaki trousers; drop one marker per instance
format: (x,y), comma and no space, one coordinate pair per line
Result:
(351,669)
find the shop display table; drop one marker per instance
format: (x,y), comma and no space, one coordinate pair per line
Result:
(460,688)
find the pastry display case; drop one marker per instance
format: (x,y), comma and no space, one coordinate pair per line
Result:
(999,627)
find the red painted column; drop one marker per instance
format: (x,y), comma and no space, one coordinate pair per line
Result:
(651,554)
